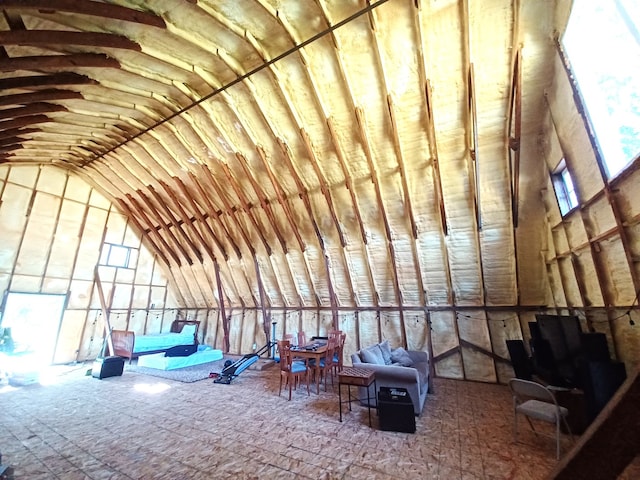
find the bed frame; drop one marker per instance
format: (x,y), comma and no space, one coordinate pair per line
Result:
(124,340)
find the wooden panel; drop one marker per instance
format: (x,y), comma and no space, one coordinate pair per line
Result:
(73,321)
(38,235)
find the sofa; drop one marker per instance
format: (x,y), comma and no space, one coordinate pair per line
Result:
(397,368)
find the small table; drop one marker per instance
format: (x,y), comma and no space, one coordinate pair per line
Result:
(358,377)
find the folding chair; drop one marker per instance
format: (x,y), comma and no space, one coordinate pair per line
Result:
(534,400)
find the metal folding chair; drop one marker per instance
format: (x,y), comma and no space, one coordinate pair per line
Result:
(536,401)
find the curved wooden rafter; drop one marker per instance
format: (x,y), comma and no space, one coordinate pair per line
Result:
(361,120)
(31,109)
(48,80)
(163,226)
(344,163)
(193,143)
(208,231)
(302,192)
(59,37)
(39,96)
(88,7)
(262,198)
(403,177)
(203,141)
(326,192)
(297,119)
(58,62)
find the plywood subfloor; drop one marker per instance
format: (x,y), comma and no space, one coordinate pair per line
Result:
(142,427)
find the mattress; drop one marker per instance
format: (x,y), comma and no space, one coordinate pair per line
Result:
(162,341)
(204,354)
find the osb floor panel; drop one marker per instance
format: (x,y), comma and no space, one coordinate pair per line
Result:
(140,427)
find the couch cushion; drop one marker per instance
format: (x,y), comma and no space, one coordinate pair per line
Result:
(385,348)
(372,354)
(400,355)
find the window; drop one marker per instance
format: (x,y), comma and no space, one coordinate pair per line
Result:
(602,42)
(118,256)
(563,186)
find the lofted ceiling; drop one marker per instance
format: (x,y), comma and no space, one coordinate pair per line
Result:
(299,153)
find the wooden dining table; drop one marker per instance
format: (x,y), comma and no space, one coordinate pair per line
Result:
(316,351)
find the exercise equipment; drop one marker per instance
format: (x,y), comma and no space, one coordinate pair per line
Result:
(232,370)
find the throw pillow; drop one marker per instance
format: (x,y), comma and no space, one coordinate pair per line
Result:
(372,354)
(400,355)
(385,348)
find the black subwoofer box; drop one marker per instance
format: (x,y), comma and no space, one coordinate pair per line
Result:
(104,367)
(395,410)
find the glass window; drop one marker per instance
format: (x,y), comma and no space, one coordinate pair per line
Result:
(563,186)
(602,43)
(118,256)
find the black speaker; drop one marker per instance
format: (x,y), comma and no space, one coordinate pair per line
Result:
(600,381)
(519,359)
(395,410)
(594,347)
(104,367)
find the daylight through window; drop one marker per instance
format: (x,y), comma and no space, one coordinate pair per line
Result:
(563,186)
(602,42)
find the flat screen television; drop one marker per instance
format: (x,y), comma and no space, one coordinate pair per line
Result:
(562,333)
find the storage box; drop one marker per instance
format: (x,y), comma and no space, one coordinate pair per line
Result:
(395,410)
(104,367)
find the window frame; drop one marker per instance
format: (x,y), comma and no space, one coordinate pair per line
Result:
(110,261)
(609,161)
(565,191)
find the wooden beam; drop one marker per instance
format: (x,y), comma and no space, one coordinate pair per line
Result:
(23,122)
(133,218)
(32,109)
(55,79)
(17,131)
(225,320)
(105,310)
(473,147)
(610,443)
(173,222)
(58,62)
(361,121)
(87,7)
(62,37)
(187,220)
(262,197)
(245,205)
(200,217)
(354,200)
(162,226)
(39,96)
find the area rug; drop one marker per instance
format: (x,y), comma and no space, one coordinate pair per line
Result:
(190,374)
(196,373)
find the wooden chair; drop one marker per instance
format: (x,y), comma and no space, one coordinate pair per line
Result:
(326,364)
(338,358)
(302,338)
(291,371)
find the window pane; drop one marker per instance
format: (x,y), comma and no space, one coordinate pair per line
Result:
(602,41)
(118,256)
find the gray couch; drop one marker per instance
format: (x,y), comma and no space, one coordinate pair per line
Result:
(397,368)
